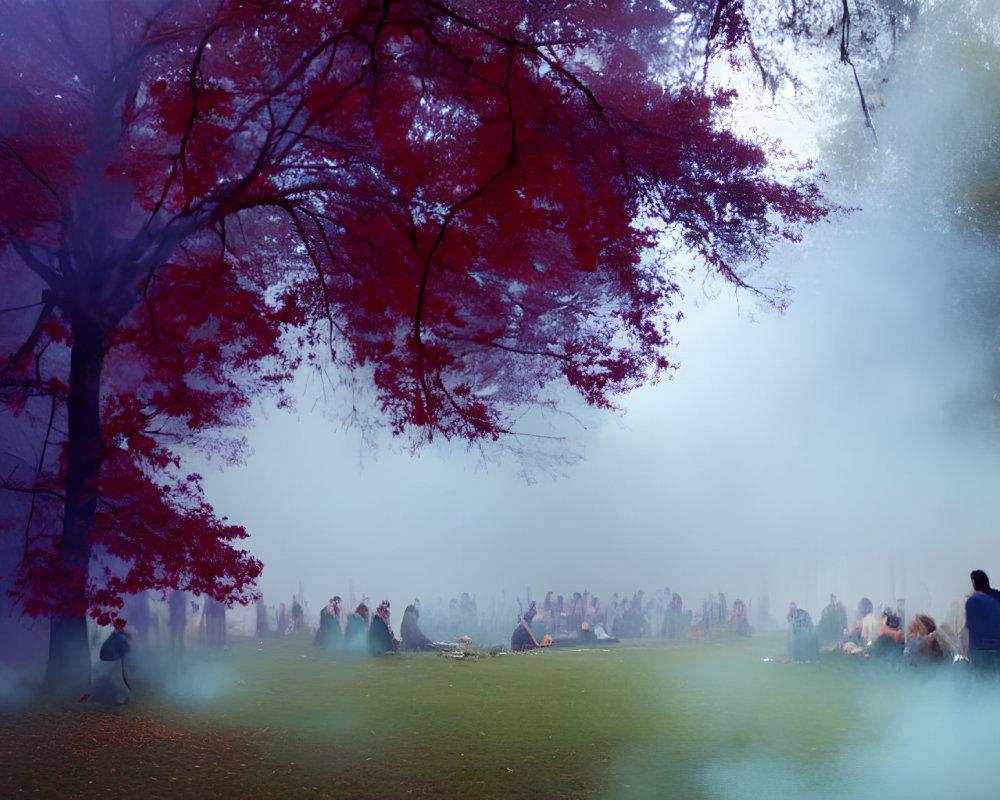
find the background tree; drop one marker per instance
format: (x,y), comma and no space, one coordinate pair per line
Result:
(469,202)
(823,50)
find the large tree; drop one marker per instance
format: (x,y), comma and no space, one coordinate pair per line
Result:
(466,202)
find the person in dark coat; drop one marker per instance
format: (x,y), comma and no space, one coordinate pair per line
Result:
(413,638)
(803,644)
(329,634)
(356,634)
(981,583)
(830,628)
(380,636)
(105,689)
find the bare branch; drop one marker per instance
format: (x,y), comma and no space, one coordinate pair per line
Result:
(29,343)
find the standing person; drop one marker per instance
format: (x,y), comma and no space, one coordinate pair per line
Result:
(982,620)
(980,578)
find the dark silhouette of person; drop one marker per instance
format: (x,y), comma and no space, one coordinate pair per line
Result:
(329,634)
(982,619)
(413,638)
(981,583)
(380,636)
(803,644)
(831,626)
(523,638)
(105,689)
(356,633)
(738,619)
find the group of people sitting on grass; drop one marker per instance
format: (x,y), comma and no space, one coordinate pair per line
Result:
(524,637)
(356,633)
(883,634)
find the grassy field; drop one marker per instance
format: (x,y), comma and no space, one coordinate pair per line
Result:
(708,719)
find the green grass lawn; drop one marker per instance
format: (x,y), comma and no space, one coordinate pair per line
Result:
(706,719)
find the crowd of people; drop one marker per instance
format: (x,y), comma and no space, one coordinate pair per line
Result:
(558,619)
(885,632)
(882,632)
(661,614)
(581,617)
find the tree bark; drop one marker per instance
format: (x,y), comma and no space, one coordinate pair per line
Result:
(68,669)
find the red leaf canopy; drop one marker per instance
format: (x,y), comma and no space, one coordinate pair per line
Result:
(468,198)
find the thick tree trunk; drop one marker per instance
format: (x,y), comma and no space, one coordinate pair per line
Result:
(68,670)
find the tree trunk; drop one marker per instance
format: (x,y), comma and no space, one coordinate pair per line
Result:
(68,669)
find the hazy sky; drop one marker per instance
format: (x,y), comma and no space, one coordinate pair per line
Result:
(846,446)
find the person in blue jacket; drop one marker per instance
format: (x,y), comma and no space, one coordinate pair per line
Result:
(982,619)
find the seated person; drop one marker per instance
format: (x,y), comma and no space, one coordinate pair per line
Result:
(592,634)
(602,635)
(738,622)
(925,641)
(802,641)
(329,635)
(356,634)
(413,638)
(380,636)
(890,627)
(867,629)
(523,638)
(890,639)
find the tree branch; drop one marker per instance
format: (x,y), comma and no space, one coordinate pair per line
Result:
(29,343)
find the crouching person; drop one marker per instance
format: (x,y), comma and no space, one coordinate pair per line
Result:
(109,688)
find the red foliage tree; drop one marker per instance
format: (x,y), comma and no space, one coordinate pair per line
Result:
(201,196)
